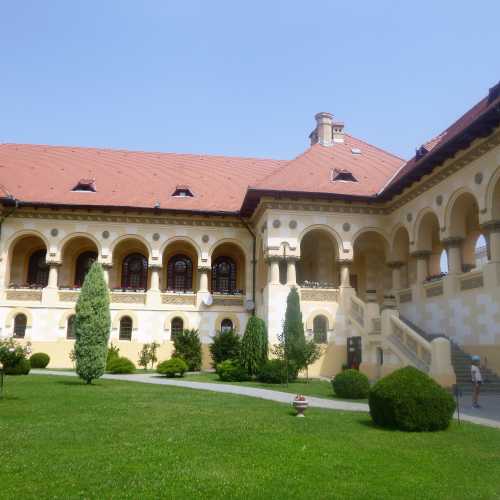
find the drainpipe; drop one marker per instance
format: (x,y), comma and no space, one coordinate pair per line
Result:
(254,270)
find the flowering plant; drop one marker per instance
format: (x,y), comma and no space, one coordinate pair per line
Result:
(11,352)
(300,397)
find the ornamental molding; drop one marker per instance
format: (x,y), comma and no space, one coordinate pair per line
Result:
(227,301)
(177,299)
(32,295)
(315,295)
(128,298)
(491,226)
(421,254)
(395,264)
(452,241)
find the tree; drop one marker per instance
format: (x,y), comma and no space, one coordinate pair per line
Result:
(148,355)
(254,345)
(225,346)
(92,326)
(187,346)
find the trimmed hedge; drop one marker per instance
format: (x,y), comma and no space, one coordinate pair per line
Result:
(172,367)
(410,400)
(225,345)
(121,365)
(351,384)
(273,372)
(22,367)
(231,371)
(39,360)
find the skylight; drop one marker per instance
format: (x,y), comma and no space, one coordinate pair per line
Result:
(85,186)
(182,192)
(355,151)
(342,175)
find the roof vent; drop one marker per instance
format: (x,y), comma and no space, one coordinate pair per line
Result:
(182,192)
(85,185)
(420,152)
(342,175)
(355,151)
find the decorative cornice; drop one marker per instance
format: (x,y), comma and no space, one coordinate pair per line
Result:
(452,241)
(491,226)
(421,254)
(395,264)
(345,262)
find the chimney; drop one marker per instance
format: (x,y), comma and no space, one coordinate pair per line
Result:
(323,133)
(338,131)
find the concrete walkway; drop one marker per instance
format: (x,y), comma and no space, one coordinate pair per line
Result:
(254,392)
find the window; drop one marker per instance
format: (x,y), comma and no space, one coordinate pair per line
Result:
(83,264)
(443,262)
(481,251)
(135,272)
(176,327)
(224,275)
(70,327)
(180,273)
(85,185)
(20,322)
(320,330)
(226,325)
(125,328)
(38,270)
(342,175)
(182,192)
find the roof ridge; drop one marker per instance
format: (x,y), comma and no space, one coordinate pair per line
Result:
(140,151)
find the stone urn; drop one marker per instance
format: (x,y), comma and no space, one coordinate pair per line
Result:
(300,404)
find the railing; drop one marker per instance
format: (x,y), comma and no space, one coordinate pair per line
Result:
(187,299)
(433,288)
(405,295)
(358,311)
(227,300)
(412,345)
(68,295)
(24,294)
(319,294)
(471,280)
(128,297)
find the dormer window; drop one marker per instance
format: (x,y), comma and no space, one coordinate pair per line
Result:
(85,185)
(182,192)
(420,152)
(355,151)
(342,175)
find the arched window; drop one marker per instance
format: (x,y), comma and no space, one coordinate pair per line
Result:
(443,262)
(135,272)
(70,327)
(320,329)
(180,273)
(38,270)
(380,356)
(226,325)
(481,251)
(125,328)
(20,322)
(176,327)
(83,264)
(224,275)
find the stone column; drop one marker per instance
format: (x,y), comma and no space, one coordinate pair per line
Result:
(291,272)
(274,271)
(396,266)
(491,270)
(453,247)
(422,257)
(155,278)
(345,266)
(203,283)
(106,268)
(53,274)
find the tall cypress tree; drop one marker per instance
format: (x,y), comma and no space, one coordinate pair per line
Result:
(293,332)
(254,345)
(92,325)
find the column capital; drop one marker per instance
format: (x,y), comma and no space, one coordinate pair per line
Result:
(395,264)
(421,254)
(292,258)
(491,226)
(53,262)
(452,241)
(273,258)
(155,266)
(106,265)
(345,262)
(204,269)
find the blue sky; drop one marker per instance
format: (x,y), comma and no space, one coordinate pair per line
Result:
(240,78)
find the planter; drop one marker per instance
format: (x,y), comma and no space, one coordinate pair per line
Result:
(300,406)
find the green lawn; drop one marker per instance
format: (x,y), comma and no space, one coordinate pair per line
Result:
(62,439)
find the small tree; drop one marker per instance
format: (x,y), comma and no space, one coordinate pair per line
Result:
(187,346)
(225,346)
(254,345)
(92,325)
(148,355)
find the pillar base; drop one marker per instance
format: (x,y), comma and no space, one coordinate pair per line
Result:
(153,298)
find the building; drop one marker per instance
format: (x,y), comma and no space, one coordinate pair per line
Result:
(191,241)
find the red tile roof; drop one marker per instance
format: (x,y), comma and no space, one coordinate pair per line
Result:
(47,175)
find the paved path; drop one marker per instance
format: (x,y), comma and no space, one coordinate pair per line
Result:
(271,395)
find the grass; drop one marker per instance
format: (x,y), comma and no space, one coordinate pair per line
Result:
(63,439)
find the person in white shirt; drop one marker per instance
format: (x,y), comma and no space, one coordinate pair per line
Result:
(477,380)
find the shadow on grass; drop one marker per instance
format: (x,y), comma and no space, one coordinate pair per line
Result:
(77,382)
(8,397)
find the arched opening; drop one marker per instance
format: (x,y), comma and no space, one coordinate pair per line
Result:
(401,254)
(126,325)
(78,255)
(27,263)
(317,267)
(495,209)
(20,324)
(176,327)
(481,251)
(226,325)
(70,328)
(228,269)
(320,329)
(180,259)
(428,240)
(443,262)
(380,356)
(464,224)
(130,266)
(369,265)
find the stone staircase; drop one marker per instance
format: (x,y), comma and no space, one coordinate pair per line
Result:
(461,362)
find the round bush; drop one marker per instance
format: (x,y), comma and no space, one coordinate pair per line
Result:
(172,367)
(121,365)
(39,360)
(410,400)
(229,371)
(22,367)
(351,384)
(273,372)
